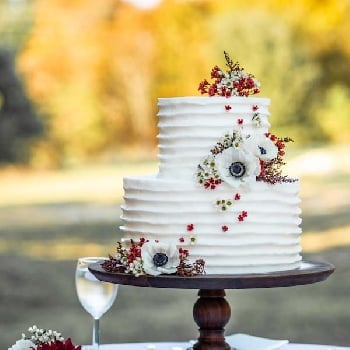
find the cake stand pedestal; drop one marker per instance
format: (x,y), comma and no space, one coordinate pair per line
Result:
(211,311)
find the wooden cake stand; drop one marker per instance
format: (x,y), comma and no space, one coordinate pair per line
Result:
(211,311)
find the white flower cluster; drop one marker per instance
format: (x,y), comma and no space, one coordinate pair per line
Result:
(23,344)
(240,164)
(135,267)
(231,78)
(236,159)
(38,336)
(145,257)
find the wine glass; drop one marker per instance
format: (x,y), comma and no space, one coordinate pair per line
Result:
(95,296)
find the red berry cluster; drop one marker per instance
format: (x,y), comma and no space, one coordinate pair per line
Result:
(245,86)
(59,345)
(135,250)
(190,227)
(211,183)
(183,254)
(242,216)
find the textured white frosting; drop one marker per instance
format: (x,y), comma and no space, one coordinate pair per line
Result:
(162,206)
(190,126)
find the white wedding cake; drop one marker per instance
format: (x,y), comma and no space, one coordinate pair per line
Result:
(219,192)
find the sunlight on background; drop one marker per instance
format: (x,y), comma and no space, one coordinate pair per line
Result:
(145,4)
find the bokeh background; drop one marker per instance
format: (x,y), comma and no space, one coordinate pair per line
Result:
(79,81)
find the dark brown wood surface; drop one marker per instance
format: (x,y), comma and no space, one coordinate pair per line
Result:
(310,272)
(211,311)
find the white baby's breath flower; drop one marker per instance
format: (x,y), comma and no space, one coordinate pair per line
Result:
(23,344)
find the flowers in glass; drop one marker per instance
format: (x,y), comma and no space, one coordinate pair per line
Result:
(43,339)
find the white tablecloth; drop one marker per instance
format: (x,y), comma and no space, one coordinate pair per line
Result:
(185,345)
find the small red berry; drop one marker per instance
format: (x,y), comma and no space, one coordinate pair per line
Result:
(190,227)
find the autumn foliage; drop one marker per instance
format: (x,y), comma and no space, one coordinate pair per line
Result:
(95,68)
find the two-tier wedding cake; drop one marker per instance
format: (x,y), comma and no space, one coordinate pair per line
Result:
(219,195)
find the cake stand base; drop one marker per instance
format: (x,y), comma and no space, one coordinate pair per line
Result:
(211,311)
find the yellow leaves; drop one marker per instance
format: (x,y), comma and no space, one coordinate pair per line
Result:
(333,114)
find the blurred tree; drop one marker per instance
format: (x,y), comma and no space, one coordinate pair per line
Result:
(15,23)
(95,69)
(287,75)
(66,62)
(333,114)
(18,122)
(184,47)
(127,84)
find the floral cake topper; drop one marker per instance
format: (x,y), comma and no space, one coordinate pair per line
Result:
(234,82)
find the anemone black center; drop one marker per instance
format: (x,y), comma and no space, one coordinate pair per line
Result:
(262,150)
(160,259)
(237,169)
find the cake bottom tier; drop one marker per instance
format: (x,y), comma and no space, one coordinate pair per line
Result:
(235,231)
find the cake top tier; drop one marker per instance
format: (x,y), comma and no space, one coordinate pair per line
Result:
(226,133)
(190,126)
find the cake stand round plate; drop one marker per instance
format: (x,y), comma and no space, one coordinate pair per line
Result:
(309,272)
(211,311)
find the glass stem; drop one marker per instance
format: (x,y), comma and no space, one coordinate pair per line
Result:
(96,334)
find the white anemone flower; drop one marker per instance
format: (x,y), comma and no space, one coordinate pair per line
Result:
(237,166)
(23,344)
(262,147)
(159,257)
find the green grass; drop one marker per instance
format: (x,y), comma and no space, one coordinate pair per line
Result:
(40,241)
